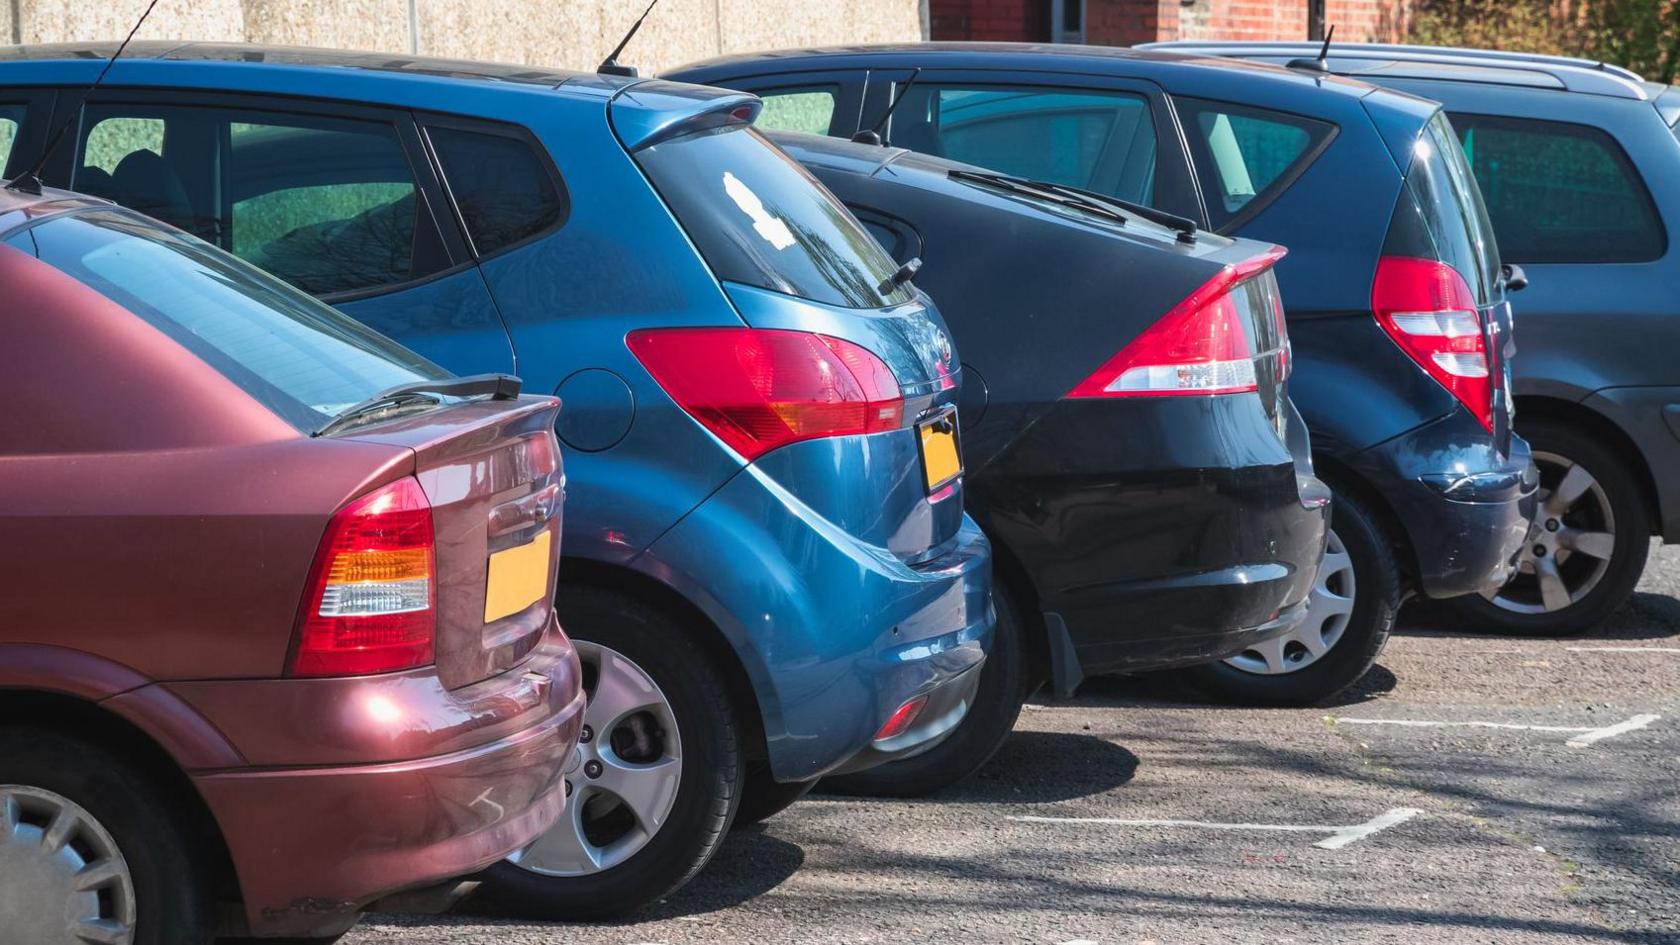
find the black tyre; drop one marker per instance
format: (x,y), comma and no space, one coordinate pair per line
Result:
(997,704)
(658,777)
(1353,606)
(1589,550)
(763,797)
(83,811)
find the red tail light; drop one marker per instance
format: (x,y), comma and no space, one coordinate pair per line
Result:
(757,389)
(1201,347)
(371,604)
(1427,308)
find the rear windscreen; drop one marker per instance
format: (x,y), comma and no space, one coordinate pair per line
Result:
(1440,214)
(299,358)
(760,219)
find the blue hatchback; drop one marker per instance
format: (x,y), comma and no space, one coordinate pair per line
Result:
(769,573)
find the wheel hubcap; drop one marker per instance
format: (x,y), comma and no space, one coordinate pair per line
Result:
(1570,552)
(1329,609)
(62,879)
(622,781)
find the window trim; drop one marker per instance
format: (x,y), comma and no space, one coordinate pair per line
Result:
(1618,154)
(423,121)
(456,257)
(1196,152)
(32,131)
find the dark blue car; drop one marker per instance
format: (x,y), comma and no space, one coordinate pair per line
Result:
(768,571)
(1581,169)
(1395,292)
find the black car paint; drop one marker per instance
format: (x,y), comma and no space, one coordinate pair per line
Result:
(1363,399)
(1147,532)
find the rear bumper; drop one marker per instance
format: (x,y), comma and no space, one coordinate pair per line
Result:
(1465,506)
(314,843)
(1158,533)
(835,633)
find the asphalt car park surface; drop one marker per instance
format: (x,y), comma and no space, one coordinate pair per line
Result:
(1476,788)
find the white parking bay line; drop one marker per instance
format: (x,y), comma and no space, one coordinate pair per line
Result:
(1623,649)
(1340,836)
(1611,731)
(1584,735)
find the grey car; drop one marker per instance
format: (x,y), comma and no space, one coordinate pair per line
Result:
(1580,168)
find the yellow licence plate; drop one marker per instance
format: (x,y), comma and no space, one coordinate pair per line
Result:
(518,577)
(941,455)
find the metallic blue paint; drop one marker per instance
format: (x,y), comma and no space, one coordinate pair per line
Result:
(842,589)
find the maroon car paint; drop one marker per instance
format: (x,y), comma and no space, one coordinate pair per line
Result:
(158,528)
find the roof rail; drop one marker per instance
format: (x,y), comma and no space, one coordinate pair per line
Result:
(1575,75)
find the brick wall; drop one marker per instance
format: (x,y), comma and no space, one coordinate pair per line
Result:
(990,20)
(1126,22)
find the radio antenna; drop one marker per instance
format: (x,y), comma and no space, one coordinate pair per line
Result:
(29,181)
(609,65)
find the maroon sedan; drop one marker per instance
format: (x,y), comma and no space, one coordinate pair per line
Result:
(277,636)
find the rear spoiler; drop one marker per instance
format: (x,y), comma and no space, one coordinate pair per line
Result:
(646,113)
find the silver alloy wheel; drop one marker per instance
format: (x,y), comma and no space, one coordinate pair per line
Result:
(62,877)
(622,781)
(1329,609)
(1569,551)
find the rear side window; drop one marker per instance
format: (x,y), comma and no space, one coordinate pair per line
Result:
(1439,214)
(1092,139)
(501,187)
(808,110)
(328,204)
(11,116)
(762,220)
(1245,156)
(1560,193)
(304,361)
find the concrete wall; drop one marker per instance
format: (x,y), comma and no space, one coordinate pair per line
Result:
(561,33)
(1125,22)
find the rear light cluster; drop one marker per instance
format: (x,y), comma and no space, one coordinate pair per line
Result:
(1203,346)
(758,389)
(371,600)
(1427,308)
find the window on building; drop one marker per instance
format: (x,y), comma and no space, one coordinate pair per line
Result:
(330,205)
(1560,193)
(1098,140)
(501,186)
(1245,156)
(806,110)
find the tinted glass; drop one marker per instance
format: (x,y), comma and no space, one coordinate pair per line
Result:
(1244,155)
(11,116)
(501,186)
(296,356)
(1440,214)
(329,205)
(1102,141)
(808,110)
(761,220)
(1560,193)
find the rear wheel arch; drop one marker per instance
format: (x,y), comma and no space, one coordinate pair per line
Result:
(1342,478)
(71,716)
(743,694)
(1008,571)
(1601,427)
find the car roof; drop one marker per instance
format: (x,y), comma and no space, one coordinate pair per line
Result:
(18,205)
(1445,63)
(1031,56)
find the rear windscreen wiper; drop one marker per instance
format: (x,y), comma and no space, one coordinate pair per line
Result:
(419,393)
(1106,205)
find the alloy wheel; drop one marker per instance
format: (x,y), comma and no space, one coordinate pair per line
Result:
(1329,609)
(1568,553)
(62,877)
(622,780)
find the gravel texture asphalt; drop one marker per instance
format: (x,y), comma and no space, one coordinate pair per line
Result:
(1127,815)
